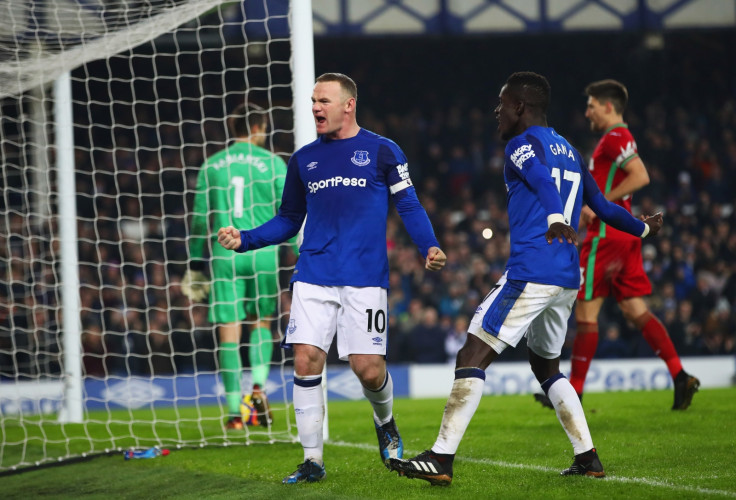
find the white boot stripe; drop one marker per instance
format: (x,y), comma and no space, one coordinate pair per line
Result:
(424,466)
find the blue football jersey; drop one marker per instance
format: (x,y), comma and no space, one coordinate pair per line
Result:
(343,188)
(536,160)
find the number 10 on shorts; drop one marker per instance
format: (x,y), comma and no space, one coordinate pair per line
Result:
(377,321)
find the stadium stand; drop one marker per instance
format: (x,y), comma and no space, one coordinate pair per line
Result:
(687,135)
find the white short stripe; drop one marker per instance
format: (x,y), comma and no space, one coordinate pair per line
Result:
(400,185)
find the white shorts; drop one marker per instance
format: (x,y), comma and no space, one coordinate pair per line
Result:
(359,316)
(516,308)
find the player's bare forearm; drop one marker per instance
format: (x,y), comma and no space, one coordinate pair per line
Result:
(436,259)
(228,237)
(636,178)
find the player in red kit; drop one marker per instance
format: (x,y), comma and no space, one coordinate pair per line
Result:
(610,260)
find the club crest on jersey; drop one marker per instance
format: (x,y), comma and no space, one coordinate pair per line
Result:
(360,158)
(291,328)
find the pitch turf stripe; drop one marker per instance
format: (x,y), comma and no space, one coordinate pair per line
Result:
(497,463)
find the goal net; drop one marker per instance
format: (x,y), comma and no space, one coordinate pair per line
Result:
(109,353)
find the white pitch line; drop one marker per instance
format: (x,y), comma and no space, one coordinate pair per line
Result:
(508,465)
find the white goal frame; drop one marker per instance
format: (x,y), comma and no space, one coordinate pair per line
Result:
(56,71)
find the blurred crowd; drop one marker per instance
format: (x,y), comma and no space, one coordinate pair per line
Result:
(691,158)
(134,193)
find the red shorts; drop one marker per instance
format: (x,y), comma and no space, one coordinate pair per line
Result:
(612,267)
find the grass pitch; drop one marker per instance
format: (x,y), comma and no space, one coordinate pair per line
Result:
(513,449)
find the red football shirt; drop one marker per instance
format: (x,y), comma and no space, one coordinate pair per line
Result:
(615,149)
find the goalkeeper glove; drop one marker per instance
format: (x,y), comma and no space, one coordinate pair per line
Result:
(195,285)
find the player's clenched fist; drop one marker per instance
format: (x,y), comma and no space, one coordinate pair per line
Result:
(229,237)
(436,259)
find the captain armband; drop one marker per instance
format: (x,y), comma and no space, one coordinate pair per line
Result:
(400,186)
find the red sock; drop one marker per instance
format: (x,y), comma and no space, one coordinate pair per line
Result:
(659,340)
(583,350)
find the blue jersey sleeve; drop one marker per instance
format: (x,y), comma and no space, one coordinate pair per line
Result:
(395,167)
(609,212)
(535,173)
(416,221)
(287,221)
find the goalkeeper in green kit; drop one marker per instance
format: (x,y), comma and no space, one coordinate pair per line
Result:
(240,186)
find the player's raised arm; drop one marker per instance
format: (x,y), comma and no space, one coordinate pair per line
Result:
(283,226)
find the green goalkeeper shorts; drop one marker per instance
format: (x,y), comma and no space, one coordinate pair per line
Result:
(244,284)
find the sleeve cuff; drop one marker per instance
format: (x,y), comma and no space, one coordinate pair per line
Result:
(243,243)
(646,230)
(552,218)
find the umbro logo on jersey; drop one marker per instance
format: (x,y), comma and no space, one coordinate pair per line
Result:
(360,158)
(424,466)
(312,165)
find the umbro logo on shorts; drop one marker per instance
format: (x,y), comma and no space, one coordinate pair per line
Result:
(376,340)
(424,466)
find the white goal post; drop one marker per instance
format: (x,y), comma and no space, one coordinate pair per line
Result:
(107,110)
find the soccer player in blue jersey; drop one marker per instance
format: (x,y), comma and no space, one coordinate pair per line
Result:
(341,183)
(547,182)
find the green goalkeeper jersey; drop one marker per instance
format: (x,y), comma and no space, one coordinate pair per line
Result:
(240,186)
